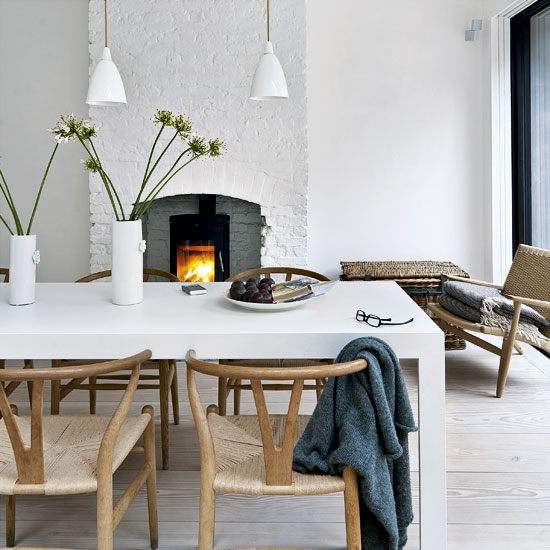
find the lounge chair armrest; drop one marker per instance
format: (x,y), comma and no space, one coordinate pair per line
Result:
(528,301)
(472,281)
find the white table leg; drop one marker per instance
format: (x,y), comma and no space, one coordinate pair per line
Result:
(431,412)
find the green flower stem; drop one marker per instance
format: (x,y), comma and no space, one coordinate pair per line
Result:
(101,173)
(113,188)
(11,204)
(147,202)
(40,189)
(146,178)
(6,224)
(144,181)
(109,192)
(137,206)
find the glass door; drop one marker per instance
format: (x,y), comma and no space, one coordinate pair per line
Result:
(530,43)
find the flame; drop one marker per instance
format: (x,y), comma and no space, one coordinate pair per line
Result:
(195,264)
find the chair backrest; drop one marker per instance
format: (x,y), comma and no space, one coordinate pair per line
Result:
(278,460)
(147,273)
(5,274)
(287,271)
(30,460)
(529,276)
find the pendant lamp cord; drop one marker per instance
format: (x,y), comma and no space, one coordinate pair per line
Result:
(106,23)
(267,20)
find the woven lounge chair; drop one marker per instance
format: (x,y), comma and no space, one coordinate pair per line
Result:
(528,282)
(252,454)
(68,455)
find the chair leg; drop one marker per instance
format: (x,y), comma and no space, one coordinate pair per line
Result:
(507,350)
(351,502)
(10,521)
(319,387)
(56,390)
(518,348)
(105,512)
(222,396)
(504,365)
(93,395)
(207,515)
(175,395)
(55,399)
(164,376)
(149,445)
(237,399)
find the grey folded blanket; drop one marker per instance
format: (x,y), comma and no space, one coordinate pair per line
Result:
(362,420)
(487,306)
(474,296)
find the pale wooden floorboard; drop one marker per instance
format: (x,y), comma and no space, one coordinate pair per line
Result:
(498,456)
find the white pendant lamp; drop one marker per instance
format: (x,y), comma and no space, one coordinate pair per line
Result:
(106,87)
(269,80)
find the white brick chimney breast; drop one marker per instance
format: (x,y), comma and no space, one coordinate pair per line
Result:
(198,57)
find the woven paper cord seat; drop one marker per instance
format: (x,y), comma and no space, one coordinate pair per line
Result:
(240,465)
(71,446)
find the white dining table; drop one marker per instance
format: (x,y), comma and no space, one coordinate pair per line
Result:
(73,321)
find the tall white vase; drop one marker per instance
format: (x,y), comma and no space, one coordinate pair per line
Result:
(128,247)
(23,261)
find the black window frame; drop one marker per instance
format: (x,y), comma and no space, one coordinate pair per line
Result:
(520,67)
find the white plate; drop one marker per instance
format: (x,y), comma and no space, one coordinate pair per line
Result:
(266,307)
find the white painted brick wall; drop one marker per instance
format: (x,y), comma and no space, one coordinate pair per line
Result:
(198,57)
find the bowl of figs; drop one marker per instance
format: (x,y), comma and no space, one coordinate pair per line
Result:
(256,295)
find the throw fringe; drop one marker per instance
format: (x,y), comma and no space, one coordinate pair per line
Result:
(490,318)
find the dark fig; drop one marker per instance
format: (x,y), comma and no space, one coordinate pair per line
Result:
(239,284)
(252,280)
(236,292)
(258,298)
(264,286)
(247,296)
(268,298)
(268,280)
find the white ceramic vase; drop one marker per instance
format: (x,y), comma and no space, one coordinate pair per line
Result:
(23,261)
(127,251)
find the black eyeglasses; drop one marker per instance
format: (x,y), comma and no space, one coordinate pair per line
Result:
(375,321)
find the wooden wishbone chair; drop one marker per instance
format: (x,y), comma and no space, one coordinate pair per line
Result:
(29,364)
(252,455)
(67,455)
(166,375)
(225,386)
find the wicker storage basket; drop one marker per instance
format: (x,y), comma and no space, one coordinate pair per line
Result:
(421,281)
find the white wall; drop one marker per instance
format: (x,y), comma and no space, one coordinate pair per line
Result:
(395,125)
(44,73)
(395,133)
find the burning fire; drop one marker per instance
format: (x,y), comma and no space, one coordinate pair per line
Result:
(196,264)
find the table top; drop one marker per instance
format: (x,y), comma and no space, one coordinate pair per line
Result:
(69,319)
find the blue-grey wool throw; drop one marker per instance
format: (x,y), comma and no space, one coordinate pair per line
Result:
(362,420)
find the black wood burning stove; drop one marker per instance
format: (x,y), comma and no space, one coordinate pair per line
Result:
(199,244)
